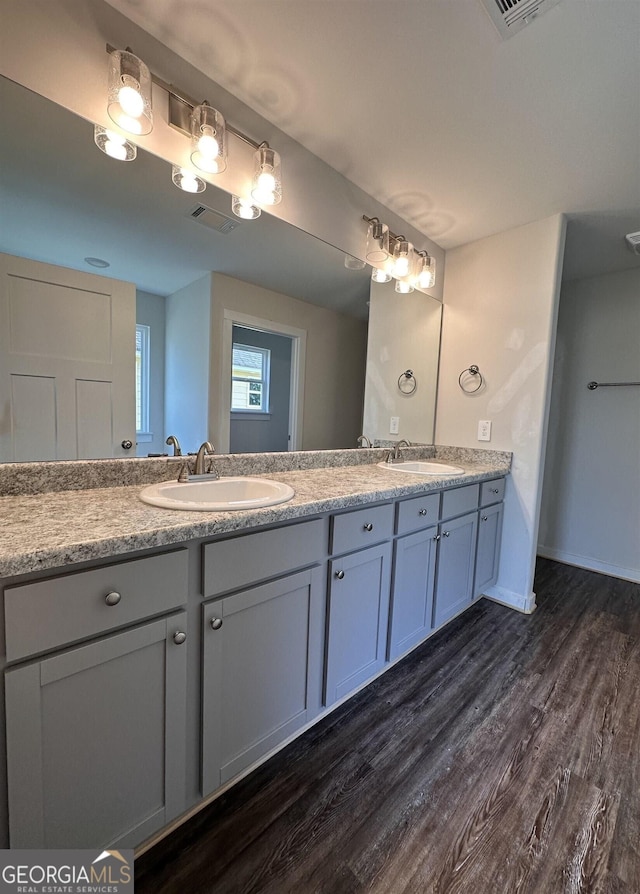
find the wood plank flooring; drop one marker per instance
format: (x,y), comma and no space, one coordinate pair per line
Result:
(501,757)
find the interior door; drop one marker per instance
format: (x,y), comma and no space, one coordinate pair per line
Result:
(67,363)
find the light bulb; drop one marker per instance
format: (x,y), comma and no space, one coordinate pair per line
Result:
(186,180)
(207,144)
(244,208)
(267,179)
(403,287)
(379,275)
(401,266)
(131,102)
(114,144)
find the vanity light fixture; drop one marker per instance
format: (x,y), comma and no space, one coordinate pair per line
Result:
(129,96)
(187,180)
(130,106)
(412,268)
(208,139)
(426,271)
(266,188)
(114,144)
(377,242)
(244,208)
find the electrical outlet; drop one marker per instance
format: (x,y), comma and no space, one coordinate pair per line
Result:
(484,430)
(394,425)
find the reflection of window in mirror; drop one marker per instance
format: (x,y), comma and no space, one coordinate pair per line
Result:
(143,339)
(250,379)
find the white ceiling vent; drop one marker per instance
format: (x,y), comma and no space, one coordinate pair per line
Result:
(510,16)
(633,242)
(213,219)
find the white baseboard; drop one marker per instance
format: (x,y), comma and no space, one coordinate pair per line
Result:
(525,604)
(632,574)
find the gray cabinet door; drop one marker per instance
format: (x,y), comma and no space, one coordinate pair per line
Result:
(456,559)
(488,552)
(414,571)
(96,741)
(262,671)
(358,619)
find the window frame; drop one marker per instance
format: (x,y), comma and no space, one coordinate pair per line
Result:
(264,381)
(143,382)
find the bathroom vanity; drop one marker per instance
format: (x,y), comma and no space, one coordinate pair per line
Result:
(152,657)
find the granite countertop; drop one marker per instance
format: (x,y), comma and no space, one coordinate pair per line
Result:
(56,529)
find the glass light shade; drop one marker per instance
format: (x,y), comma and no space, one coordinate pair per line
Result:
(403,259)
(244,208)
(379,274)
(352,263)
(266,187)
(208,139)
(186,180)
(377,242)
(129,97)
(426,277)
(114,144)
(403,287)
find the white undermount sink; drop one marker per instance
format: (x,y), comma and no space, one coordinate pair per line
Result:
(422,467)
(219,494)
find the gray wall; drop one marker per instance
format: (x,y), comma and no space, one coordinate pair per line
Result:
(591,498)
(150,311)
(269,432)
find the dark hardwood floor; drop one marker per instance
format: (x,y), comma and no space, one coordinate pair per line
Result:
(501,756)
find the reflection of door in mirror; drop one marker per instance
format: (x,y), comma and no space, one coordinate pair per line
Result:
(66,363)
(260,391)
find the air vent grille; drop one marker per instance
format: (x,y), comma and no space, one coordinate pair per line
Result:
(509,16)
(215,220)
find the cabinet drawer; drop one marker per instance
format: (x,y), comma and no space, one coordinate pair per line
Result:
(460,500)
(364,527)
(417,513)
(235,563)
(492,491)
(51,613)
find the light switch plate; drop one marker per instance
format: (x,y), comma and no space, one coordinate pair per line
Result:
(394,425)
(484,430)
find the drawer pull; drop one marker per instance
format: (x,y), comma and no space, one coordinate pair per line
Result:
(339,574)
(447,534)
(485,518)
(495,490)
(436,538)
(179,637)
(368,527)
(112,598)
(422,512)
(216,623)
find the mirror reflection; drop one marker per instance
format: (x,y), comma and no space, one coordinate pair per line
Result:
(193,315)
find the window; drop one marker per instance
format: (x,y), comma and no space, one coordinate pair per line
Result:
(142,378)
(250,379)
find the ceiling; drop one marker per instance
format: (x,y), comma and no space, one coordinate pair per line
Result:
(423,105)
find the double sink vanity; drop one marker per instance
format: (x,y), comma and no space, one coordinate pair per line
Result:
(153,656)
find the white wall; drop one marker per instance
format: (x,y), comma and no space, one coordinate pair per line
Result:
(150,311)
(404,333)
(500,308)
(591,497)
(335,359)
(187,377)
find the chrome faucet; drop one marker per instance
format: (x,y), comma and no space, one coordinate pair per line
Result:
(203,450)
(363,441)
(393,456)
(172,441)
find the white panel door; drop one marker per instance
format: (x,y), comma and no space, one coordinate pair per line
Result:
(67,363)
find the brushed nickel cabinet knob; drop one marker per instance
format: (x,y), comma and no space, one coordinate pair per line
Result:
(179,637)
(216,623)
(112,598)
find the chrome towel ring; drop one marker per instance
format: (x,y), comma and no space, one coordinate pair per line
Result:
(469,376)
(407,382)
